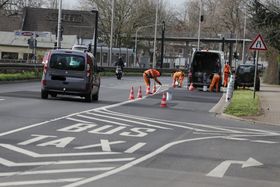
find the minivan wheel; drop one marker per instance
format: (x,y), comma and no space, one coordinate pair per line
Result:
(44,94)
(88,97)
(95,96)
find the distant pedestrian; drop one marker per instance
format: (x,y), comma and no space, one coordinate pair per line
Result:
(226,74)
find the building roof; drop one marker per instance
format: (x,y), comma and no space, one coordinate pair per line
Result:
(10,39)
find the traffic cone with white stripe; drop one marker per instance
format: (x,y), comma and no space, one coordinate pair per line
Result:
(163,103)
(131,94)
(139,94)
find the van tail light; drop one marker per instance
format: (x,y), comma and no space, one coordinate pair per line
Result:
(88,67)
(45,68)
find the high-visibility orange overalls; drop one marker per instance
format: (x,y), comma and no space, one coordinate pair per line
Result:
(215,82)
(150,74)
(178,76)
(226,74)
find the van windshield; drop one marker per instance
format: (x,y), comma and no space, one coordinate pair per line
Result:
(67,62)
(206,62)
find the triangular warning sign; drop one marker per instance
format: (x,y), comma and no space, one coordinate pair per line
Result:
(258,44)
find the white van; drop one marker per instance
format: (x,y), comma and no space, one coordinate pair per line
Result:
(203,64)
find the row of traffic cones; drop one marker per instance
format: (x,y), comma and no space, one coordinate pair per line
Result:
(139,94)
(163,102)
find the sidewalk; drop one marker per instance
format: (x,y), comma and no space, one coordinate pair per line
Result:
(270,105)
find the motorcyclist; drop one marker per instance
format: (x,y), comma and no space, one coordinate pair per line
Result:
(120,63)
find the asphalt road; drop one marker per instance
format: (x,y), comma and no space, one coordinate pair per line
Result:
(65,141)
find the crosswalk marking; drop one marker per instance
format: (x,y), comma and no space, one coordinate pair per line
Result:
(33,182)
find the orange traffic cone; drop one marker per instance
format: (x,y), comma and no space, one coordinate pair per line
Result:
(163,101)
(155,88)
(131,94)
(139,94)
(148,91)
(191,88)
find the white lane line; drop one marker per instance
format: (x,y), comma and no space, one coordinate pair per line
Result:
(37,155)
(153,120)
(40,172)
(9,163)
(137,161)
(33,182)
(263,141)
(235,138)
(78,120)
(130,121)
(67,116)
(103,120)
(2,99)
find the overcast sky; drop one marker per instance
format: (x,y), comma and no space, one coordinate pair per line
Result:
(72,3)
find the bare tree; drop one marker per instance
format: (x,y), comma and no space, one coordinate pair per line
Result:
(13,7)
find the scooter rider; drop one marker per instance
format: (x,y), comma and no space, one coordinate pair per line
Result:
(120,63)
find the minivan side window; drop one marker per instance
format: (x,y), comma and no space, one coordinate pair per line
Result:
(67,62)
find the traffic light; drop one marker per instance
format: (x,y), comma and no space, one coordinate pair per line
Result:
(32,43)
(235,55)
(55,45)
(201,18)
(89,47)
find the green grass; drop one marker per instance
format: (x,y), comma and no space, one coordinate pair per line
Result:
(243,104)
(19,76)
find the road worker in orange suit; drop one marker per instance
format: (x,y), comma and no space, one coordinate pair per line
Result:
(226,74)
(215,82)
(178,76)
(151,74)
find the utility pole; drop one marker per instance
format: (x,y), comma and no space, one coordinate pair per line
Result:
(162,44)
(59,25)
(155,37)
(112,30)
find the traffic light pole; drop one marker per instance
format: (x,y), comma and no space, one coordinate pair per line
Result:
(59,25)
(162,44)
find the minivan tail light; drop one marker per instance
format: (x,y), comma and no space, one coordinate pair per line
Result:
(44,82)
(45,68)
(88,67)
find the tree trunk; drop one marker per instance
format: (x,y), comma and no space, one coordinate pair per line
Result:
(272,71)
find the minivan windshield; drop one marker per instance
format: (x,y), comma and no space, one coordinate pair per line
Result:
(67,62)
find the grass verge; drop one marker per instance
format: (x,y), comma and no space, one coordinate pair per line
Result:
(19,76)
(243,104)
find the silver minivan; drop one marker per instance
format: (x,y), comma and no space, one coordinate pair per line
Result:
(70,72)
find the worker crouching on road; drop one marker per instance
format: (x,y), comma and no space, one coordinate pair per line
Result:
(151,74)
(215,82)
(178,77)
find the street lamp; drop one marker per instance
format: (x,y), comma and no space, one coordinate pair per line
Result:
(59,25)
(155,37)
(112,30)
(95,34)
(136,37)
(199,23)
(244,35)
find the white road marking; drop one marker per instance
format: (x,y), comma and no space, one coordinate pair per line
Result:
(135,147)
(33,182)
(221,169)
(40,172)
(137,161)
(105,144)
(37,155)
(131,121)
(78,120)
(2,99)
(9,163)
(234,138)
(263,141)
(103,120)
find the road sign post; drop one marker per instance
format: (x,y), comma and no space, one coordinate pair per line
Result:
(257,45)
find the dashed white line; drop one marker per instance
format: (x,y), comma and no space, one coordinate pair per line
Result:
(263,141)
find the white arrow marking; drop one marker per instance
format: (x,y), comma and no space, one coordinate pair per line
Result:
(21,183)
(221,169)
(8,163)
(37,155)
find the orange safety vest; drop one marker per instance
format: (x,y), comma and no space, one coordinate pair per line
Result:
(152,73)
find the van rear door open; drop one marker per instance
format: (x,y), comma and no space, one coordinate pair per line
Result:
(203,65)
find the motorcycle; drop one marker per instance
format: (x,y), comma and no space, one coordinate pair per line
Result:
(119,72)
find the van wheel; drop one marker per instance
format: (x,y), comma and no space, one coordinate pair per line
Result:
(88,97)
(44,94)
(95,96)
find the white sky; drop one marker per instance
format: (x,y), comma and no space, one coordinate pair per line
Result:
(70,3)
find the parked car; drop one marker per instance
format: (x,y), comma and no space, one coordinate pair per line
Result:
(245,75)
(203,64)
(70,72)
